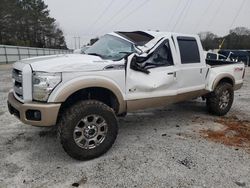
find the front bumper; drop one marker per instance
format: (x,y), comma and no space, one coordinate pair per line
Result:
(48,112)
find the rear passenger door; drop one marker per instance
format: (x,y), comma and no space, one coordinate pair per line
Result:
(191,68)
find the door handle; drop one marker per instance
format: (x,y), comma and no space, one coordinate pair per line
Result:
(172,73)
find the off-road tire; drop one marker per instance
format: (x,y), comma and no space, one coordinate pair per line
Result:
(70,119)
(214,99)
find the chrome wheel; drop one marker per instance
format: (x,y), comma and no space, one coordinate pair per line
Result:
(90,131)
(224,99)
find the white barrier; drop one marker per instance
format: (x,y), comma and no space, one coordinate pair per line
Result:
(10,54)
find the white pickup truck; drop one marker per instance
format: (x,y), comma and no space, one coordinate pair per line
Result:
(122,72)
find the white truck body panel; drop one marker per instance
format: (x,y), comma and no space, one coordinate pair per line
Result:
(67,63)
(116,78)
(230,70)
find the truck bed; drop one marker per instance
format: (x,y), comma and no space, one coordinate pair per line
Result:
(213,62)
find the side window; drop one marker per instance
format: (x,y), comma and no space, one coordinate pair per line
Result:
(189,50)
(162,56)
(211,56)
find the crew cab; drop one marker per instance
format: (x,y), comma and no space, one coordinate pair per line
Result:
(122,72)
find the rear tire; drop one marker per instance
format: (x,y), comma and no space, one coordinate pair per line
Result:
(221,99)
(87,129)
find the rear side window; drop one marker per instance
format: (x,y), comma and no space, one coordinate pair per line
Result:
(189,50)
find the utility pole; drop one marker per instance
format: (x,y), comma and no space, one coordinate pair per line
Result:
(77,41)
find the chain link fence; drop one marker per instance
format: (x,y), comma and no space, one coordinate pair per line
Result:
(10,54)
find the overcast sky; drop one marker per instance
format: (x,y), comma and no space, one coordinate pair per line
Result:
(91,18)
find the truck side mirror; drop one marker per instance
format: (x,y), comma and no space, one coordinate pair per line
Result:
(137,64)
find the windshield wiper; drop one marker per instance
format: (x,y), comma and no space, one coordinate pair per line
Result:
(95,54)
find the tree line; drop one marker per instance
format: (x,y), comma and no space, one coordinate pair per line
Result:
(28,23)
(238,38)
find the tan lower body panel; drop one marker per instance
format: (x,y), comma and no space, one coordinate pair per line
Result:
(49,112)
(238,86)
(133,105)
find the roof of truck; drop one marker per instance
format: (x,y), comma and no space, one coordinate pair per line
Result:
(141,38)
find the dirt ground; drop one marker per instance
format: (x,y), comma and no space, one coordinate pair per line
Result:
(180,145)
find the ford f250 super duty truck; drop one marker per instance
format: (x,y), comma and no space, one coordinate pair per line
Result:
(122,72)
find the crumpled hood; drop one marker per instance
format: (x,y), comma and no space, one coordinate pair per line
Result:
(67,63)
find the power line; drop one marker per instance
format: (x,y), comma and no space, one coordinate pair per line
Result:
(115,15)
(186,12)
(101,15)
(181,13)
(131,12)
(203,15)
(173,13)
(216,13)
(238,13)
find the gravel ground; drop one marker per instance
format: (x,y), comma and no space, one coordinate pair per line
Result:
(177,146)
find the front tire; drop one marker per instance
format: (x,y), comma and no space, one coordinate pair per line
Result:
(221,99)
(87,129)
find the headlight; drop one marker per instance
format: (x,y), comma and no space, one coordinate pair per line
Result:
(44,83)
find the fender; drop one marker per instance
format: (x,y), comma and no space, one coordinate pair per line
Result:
(220,77)
(67,89)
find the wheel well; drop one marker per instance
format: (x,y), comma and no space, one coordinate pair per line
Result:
(93,93)
(226,80)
